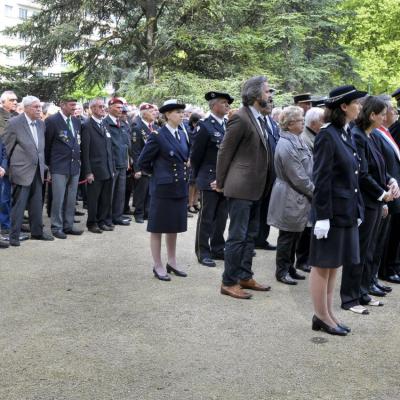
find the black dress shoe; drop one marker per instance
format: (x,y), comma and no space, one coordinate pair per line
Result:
(220,256)
(165,278)
(177,272)
(345,327)
(139,220)
(94,229)
(123,222)
(43,236)
(287,280)
(265,246)
(304,268)
(318,325)
(79,213)
(75,232)
(375,291)
(15,242)
(23,236)
(297,276)
(385,288)
(106,228)
(208,262)
(4,244)
(393,278)
(59,234)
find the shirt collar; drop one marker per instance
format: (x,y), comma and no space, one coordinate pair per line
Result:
(171,129)
(145,122)
(113,119)
(29,120)
(97,120)
(255,112)
(219,120)
(64,116)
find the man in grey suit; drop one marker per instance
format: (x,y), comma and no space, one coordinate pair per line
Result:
(243,174)
(24,141)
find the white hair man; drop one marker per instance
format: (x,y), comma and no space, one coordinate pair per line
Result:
(24,141)
(314,120)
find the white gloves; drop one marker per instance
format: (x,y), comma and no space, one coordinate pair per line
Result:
(321,228)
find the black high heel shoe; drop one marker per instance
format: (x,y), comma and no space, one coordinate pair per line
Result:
(345,327)
(165,277)
(318,325)
(177,272)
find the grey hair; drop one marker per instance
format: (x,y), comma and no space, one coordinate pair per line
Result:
(28,100)
(276,111)
(288,115)
(386,99)
(314,114)
(212,102)
(5,95)
(252,89)
(94,101)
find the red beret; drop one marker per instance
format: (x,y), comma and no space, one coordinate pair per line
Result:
(115,100)
(146,106)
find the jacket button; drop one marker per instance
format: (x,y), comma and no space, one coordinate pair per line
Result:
(176,180)
(356,172)
(356,190)
(354,154)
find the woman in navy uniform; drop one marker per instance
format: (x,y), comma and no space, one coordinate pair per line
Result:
(165,157)
(337,205)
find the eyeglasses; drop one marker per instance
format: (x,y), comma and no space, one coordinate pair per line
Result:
(13,100)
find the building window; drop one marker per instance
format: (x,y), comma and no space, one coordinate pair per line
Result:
(8,11)
(23,13)
(22,55)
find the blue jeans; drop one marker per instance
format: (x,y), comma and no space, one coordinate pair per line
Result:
(243,229)
(5,202)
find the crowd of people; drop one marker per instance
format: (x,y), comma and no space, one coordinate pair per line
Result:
(324,172)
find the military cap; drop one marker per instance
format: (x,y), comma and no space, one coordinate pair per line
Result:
(318,102)
(343,94)
(115,100)
(396,94)
(146,106)
(171,104)
(302,98)
(218,95)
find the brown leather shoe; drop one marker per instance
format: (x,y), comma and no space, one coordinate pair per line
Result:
(253,285)
(235,291)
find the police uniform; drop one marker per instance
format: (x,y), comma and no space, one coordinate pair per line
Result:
(164,158)
(210,242)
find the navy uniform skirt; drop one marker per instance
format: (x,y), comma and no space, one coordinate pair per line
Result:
(341,247)
(167,215)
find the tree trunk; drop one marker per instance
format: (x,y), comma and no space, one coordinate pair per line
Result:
(151,32)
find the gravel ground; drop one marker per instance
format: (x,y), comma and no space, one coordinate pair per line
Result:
(83,318)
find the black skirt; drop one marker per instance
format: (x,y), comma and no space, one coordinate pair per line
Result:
(167,215)
(341,247)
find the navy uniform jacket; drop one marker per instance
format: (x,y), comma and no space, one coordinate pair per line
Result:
(165,160)
(395,132)
(120,142)
(203,156)
(336,170)
(140,133)
(97,157)
(392,164)
(3,156)
(62,147)
(273,136)
(373,176)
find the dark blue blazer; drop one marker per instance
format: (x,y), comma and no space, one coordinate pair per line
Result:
(392,166)
(164,158)
(373,176)
(62,148)
(337,195)
(120,142)
(3,156)
(274,135)
(140,133)
(203,155)
(395,132)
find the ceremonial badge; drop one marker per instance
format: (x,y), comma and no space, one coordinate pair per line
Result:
(171,153)
(217,134)
(344,137)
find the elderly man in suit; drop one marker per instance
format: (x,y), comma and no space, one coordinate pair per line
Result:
(3,170)
(98,167)
(243,164)
(62,154)
(24,141)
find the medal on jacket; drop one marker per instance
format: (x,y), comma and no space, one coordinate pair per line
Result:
(171,153)
(344,137)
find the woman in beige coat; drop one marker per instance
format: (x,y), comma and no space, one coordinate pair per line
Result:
(290,203)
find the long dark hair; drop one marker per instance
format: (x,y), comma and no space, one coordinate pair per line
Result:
(335,115)
(372,104)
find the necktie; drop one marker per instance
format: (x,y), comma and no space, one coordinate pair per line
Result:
(177,137)
(263,127)
(151,127)
(34,133)
(69,124)
(118,123)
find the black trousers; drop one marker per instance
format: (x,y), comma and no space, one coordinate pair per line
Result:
(303,247)
(118,195)
(243,229)
(381,241)
(356,278)
(128,191)
(286,253)
(390,264)
(27,197)
(99,202)
(264,228)
(211,225)
(141,197)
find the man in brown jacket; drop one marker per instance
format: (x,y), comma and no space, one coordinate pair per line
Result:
(243,175)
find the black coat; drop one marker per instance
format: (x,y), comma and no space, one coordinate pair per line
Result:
(140,133)
(120,142)
(337,194)
(395,132)
(392,165)
(62,148)
(373,177)
(204,150)
(97,157)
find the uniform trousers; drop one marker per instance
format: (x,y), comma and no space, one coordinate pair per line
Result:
(303,247)
(27,197)
(211,225)
(381,241)
(99,202)
(118,194)
(128,191)
(243,229)
(141,196)
(356,278)
(286,253)
(64,189)
(5,202)
(390,264)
